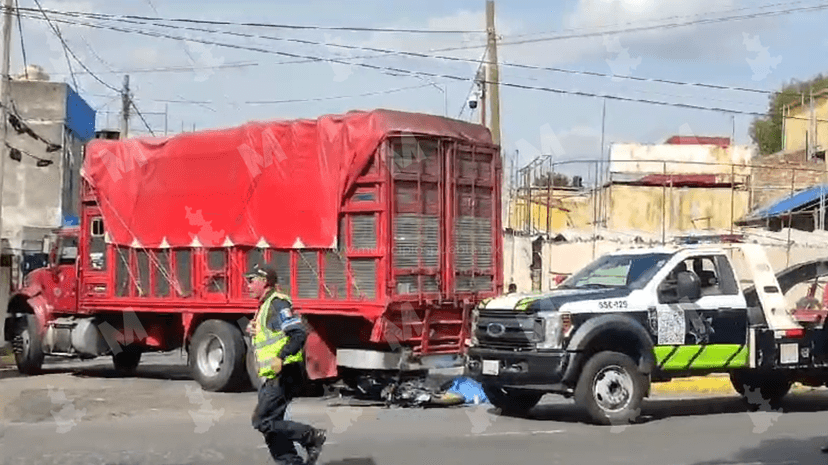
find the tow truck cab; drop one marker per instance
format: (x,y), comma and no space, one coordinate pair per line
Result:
(636,316)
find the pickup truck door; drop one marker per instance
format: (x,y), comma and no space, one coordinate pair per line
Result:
(709,331)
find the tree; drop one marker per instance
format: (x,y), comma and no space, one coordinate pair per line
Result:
(559,180)
(766,132)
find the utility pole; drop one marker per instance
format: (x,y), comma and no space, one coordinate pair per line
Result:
(5,93)
(493,78)
(166,114)
(125,101)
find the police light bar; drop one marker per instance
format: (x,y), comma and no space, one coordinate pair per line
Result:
(710,239)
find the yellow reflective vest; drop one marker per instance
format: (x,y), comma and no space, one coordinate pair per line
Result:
(268,343)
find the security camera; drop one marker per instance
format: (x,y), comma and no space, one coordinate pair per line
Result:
(473,102)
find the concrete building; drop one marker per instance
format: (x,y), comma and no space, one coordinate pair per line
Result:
(686,184)
(803,128)
(50,125)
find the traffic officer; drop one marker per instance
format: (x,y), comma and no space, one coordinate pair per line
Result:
(278,340)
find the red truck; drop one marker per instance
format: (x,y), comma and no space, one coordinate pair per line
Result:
(384,226)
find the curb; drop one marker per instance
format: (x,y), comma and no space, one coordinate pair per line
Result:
(711,384)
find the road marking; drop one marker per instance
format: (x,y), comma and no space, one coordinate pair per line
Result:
(516,433)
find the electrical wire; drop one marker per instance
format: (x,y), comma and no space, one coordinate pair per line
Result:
(663,18)
(388,52)
(22,45)
(131,102)
(56,30)
(284,26)
(367,94)
(401,71)
(68,50)
(649,28)
(170,69)
(474,83)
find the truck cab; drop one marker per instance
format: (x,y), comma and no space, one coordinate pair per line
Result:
(638,316)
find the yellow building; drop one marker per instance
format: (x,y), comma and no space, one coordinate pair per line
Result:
(801,129)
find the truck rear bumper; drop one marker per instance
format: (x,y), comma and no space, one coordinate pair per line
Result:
(529,370)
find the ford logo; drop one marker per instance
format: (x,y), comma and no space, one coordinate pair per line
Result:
(495,329)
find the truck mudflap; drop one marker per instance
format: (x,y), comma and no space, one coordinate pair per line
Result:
(526,370)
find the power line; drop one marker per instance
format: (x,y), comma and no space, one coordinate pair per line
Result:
(56,30)
(22,45)
(460,59)
(170,69)
(287,26)
(68,50)
(471,88)
(392,70)
(141,116)
(653,27)
(367,94)
(664,18)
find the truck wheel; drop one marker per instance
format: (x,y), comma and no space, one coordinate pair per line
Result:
(761,389)
(611,388)
(28,352)
(253,369)
(511,401)
(217,356)
(126,361)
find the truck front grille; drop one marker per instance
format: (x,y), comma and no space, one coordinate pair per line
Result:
(497,330)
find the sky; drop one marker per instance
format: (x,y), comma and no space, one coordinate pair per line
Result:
(759,53)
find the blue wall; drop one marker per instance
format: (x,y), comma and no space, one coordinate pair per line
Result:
(80,117)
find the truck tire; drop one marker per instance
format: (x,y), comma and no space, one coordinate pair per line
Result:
(252,368)
(126,361)
(216,356)
(611,389)
(512,401)
(761,390)
(28,352)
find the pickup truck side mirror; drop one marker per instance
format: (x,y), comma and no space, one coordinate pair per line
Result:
(688,286)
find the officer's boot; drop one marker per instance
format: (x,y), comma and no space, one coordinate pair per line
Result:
(313,444)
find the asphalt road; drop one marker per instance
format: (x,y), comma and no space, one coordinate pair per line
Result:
(81,413)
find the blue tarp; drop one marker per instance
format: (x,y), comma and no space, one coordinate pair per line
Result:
(789,204)
(470,389)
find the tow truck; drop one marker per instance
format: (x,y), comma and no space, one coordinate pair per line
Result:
(639,316)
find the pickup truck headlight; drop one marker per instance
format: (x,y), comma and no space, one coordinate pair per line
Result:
(552,331)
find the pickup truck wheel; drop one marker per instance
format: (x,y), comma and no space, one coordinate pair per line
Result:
(28,352)
(217,356)
(761,389)
(126,361)
(511,401)
(611,389)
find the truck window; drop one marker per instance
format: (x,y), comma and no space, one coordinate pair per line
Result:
(216,263)
(162,274)
(67,250)
(184,271)
(122,274)
(97,244)
(632,271)
(142,287)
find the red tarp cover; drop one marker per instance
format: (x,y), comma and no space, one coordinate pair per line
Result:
(275,183)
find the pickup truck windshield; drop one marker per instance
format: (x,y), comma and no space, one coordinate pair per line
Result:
(632,271)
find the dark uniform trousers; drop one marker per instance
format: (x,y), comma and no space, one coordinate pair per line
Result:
(269,415)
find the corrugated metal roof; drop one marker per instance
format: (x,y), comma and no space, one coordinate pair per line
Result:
(798,201)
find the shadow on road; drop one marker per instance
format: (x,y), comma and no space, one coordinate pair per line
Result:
(659,409)
(357,461)
(780,451)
